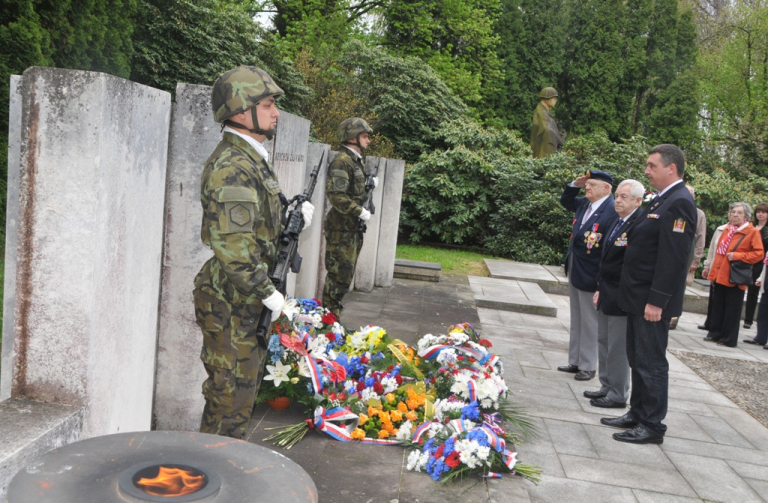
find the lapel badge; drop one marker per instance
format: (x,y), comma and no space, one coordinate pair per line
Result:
(654,216)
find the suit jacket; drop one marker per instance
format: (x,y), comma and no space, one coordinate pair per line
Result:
(586,259)
(656,259)
(611,264)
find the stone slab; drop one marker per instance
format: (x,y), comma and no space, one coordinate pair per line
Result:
(11,235)
(415,269)
(392,194)
(365,272)
(510,295)
(311,239)
(29,430)
(91,196)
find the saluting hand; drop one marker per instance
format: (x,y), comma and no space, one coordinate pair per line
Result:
(581,181)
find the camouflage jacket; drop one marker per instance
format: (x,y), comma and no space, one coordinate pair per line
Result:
(545,137)
(242,220)
(345,189)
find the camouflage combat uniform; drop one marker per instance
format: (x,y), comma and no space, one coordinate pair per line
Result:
(345,189)
(241,223)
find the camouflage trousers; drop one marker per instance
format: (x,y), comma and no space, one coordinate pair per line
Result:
(234,363)
(341,251)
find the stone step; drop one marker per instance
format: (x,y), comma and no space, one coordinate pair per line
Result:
(552,279)
(29,430)
(415,269)
(511,295)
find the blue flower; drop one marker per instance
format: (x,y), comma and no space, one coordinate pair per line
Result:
(449,446)
(479,437)
(369,381)
(275,358)
(471,411)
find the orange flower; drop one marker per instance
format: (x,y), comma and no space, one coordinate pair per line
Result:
(387,426)
(412,416)
(383,434)
(390,397)
(372,412)
(412,403)
(384,416)
(363,419)
(396,416)
(402,407)
(357,434)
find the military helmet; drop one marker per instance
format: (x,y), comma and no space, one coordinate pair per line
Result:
(548,92)
(351,128)
(239,89)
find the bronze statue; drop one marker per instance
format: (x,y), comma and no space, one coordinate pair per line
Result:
(546,136)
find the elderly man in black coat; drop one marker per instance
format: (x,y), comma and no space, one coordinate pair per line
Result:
(594,216)
(651,292)
(612,321)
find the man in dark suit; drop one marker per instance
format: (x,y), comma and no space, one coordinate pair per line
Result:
(594,215)
(651,292)
(612,321)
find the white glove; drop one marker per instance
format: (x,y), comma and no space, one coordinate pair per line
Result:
(275,304)
(375,181)
(365,215)
(307,210)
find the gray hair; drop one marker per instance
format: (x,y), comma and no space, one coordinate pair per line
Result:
(747,209)
(636,189)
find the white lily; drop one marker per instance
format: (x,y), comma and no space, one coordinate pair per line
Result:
(278,373)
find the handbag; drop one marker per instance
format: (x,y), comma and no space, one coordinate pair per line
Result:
(741,272)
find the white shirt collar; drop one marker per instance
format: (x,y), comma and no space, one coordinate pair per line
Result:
(251,141)
(630,214)
(598,203)
(669,187)
(353,151)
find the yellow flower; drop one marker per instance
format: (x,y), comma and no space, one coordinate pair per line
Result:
(390,397)
(358,434)
(384,416)
(383,434)
(363,419)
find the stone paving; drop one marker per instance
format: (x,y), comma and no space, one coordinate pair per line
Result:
(713,451)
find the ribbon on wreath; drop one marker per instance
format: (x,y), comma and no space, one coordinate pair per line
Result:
(496,442)
(432,352)
(330,423)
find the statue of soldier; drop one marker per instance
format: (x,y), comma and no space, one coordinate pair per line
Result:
(345,188)
(242,219)
(546,136)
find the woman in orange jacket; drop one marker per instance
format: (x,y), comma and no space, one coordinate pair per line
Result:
(739,241)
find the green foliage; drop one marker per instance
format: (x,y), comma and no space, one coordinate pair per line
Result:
(449,193)
(195,41)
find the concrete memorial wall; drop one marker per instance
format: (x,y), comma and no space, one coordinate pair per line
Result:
(391,187)
(91,180)
(366,261)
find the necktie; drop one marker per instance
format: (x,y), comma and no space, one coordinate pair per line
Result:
(587,214)
(615,229)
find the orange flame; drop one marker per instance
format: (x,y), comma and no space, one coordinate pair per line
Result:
(172,482)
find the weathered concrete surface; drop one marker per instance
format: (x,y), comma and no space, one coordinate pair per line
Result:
(194,135)
(510,295)
(311,239)
(366,261)
(392,194)
(415,269)
(91,192)
(29,430)
(11,235)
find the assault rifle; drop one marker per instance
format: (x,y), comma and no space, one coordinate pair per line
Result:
(368,198)
(288,250)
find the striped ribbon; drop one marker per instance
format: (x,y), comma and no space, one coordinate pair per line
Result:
(431,352)
(326,421)
(472,391)
(492,475)
(421,430)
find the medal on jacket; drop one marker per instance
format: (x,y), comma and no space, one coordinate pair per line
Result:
(592,238)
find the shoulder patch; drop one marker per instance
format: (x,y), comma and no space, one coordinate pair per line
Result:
(239,215)
(679,225)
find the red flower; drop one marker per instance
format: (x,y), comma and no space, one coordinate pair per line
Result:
(485,342)
(439,451)
(452,459)
(332,396)
(460,358)
(329,318)
(364,359)
(330,336)
(390,368)
(318,302)
(361,386)
(378,388)
(399,379)
(341,396)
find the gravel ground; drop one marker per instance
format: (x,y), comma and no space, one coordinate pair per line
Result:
(744,382)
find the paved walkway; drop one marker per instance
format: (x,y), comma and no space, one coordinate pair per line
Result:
(713,451)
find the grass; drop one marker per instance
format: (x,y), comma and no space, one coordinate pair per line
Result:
(452,261)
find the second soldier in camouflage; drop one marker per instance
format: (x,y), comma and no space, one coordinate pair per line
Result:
(345,188)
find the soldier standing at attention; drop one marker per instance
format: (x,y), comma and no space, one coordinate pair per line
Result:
(242,219)
(345,189)
(546,137)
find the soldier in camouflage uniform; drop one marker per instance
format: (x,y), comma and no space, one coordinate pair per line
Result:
(345,188)
(242,219)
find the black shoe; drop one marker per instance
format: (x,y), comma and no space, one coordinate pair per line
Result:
(624,421)
(747,325)
(639,435)
(702,327)
(594,394)
(607,404)
(710,339)
(726,345)
(751,341)
(584,375)
(571,369)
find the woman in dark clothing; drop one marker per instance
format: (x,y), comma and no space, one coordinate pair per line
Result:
(760,220)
